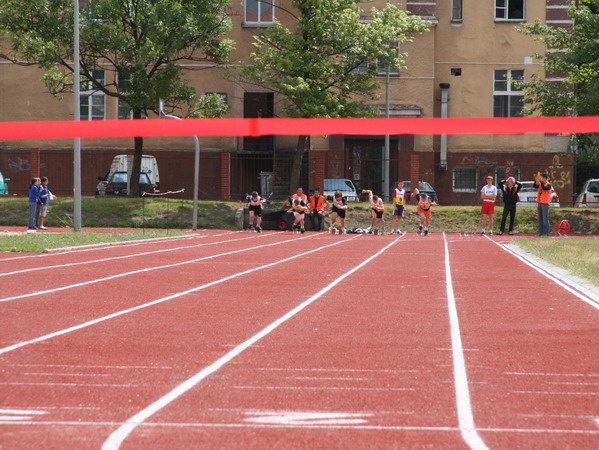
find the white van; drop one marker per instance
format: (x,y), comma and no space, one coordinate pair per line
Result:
(122,163)
(346,187)
(589,195)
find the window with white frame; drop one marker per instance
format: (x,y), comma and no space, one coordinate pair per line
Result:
(510,9)
(456,11)
(507,94)
(464,179)
(258,12)
(92,103)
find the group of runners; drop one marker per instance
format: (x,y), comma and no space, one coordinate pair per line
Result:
(301,206)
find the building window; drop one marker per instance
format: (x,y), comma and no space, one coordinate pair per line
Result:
(382,68)
(456,11)
(464,179)
(509,9)
(258,12)
(507,96)
(92,104)
(501,174)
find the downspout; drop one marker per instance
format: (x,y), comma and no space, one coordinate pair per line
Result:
(444,100)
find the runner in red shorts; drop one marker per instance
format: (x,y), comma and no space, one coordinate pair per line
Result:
(488,194)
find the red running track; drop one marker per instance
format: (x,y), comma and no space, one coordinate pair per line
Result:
(276,340)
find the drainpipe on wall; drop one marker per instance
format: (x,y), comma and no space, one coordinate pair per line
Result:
(444,100)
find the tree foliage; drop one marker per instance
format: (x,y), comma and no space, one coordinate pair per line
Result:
(573,54)
(140,44)
(324,65)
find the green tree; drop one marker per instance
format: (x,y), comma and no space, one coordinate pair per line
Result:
(574,55)
(137,45)
(324,67)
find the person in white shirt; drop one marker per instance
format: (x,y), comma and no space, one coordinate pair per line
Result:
(488,194)
(377,209)
(399,201)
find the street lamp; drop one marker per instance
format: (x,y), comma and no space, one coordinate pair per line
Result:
(196,168)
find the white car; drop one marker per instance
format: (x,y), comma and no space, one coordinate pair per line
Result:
(528,195)
(589,196)
(346,187)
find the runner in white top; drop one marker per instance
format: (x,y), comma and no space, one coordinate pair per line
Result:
(488,194)
(377,209)
(399,201)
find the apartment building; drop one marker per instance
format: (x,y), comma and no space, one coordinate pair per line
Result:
(467,65)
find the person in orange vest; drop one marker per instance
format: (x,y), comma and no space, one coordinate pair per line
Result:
(317,205)
(299,194)
(423,210)
(544,190)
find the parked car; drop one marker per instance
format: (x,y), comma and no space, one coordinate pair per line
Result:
(347,188)
(528,195)
(589,196)
(120,164)
(423,188)
(3,184)
(117,184)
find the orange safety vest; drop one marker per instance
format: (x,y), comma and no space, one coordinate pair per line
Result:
(543,196)
(317,203)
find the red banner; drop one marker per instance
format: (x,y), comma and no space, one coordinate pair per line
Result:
(294,127)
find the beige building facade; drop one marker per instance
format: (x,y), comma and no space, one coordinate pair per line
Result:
(467,65)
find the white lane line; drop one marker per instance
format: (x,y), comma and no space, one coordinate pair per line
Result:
(175,425)
(583,294)
(554,393)
(115,440)
(541,374)
(464,406)
(115,258)
(30,412)
(81,249)
(89,366)
(320,388)
(161,300)
(147,269)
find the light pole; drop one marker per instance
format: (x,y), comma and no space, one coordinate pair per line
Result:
(196,168)
(77,118)
(386,151)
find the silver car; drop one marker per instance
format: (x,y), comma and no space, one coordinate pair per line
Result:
(528,195)
(589,196)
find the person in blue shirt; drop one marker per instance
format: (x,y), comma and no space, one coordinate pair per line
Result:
(34,198)
(45,197)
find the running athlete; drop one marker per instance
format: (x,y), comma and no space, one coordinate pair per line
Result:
(377,209)
(424,211)
(299,212)
(255,206)
(399,197)
(339,210)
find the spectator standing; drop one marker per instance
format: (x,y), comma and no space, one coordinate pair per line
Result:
(45,197)
(509,190)
(488,194)
(317,205)
(544,190)
(34,198)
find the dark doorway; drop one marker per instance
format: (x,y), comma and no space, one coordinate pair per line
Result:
(366,163)
(258,104)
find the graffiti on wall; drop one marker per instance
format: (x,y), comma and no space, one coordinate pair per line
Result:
(22,165)
(559,175)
